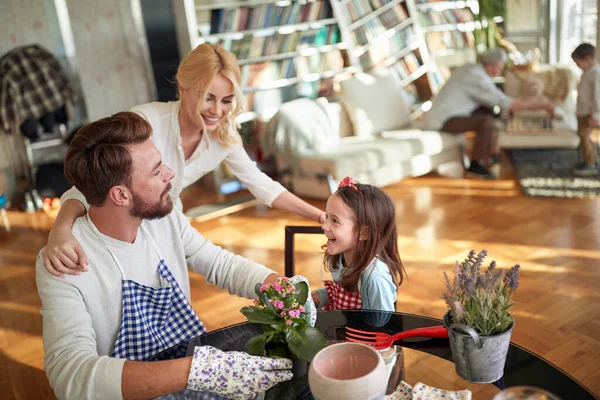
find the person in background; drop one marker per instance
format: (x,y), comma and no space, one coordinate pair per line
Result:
(361,250)
(99,327)
(466,103)
(194,135)
(588,106)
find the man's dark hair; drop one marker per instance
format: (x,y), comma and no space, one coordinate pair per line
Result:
(98,158)
(584,50)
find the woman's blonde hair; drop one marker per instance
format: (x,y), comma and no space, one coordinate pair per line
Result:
(197,71)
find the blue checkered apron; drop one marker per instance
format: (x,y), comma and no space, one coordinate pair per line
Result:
(153,319)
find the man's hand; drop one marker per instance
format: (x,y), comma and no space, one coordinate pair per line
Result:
(234,374)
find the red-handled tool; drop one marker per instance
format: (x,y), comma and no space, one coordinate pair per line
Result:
(380,340)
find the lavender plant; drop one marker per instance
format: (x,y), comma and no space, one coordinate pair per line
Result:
(481,299)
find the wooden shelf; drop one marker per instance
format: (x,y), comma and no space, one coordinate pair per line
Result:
(402,53)
(446,5)
(280,83)
(268,30)
(392,58)
(414,76)
(373,14)
(234,4)
(462,27)
(360,50)
(307,51)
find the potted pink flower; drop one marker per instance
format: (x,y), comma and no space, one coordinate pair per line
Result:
(287,332)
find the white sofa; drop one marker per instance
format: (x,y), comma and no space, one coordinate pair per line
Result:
(368,135)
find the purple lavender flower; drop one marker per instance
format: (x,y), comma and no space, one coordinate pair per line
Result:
(512,277)
(481,298)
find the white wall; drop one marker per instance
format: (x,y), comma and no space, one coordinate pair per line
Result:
(111,52)
(108,48)
(28,21)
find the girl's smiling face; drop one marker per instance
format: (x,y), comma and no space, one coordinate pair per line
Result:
(340,228)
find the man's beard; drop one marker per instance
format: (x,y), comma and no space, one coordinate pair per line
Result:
(142,209)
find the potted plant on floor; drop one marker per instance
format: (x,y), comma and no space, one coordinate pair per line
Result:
(478,320)
(279,308)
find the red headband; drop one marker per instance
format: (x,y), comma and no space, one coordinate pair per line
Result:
(347,181)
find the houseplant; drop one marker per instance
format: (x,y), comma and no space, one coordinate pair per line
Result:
(478,321)
(279,308)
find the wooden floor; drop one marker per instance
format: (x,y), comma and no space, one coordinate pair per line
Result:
(556,241)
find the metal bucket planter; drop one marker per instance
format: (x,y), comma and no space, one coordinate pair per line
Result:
(478,359)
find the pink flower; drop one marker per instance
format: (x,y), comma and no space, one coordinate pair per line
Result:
(302,309)
(288,322)
(282,313)
(264,287)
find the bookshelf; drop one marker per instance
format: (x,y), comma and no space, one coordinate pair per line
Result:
(449,29)
(304,48)
(286,49)
(386,33)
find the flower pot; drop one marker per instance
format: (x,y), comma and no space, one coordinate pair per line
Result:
(478,359)
(299,368)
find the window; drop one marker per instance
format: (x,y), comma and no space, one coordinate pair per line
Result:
(579,25)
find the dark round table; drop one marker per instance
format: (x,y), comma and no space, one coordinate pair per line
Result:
(522,367)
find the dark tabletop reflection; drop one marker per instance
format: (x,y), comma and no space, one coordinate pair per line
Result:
(522,367)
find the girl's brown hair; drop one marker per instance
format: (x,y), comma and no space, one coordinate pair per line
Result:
(374,210)
(196,73)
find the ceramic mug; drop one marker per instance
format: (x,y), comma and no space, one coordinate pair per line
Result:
(348,371)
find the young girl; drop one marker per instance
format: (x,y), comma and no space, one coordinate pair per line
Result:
(361,250)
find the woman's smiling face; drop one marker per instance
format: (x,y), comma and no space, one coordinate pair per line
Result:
(217,103)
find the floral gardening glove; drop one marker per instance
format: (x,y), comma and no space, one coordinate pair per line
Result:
(235,375)
(309,306)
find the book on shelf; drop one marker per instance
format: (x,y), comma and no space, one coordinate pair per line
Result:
(412,63)
(257,75)
(440,41)
(380,51)
(374,27)
(445,17)
(266,15)
(356,9)
(250,47)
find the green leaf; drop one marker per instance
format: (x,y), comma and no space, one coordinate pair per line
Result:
(256,346)
(265,299)
(277,352)
(259,315)
(257,288)
(305,341)
(301,293)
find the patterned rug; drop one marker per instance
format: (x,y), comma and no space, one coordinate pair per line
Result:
(549,173)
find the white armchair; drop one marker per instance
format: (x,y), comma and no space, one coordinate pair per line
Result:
(368,135)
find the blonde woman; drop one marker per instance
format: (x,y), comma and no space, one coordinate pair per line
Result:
(194,135)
